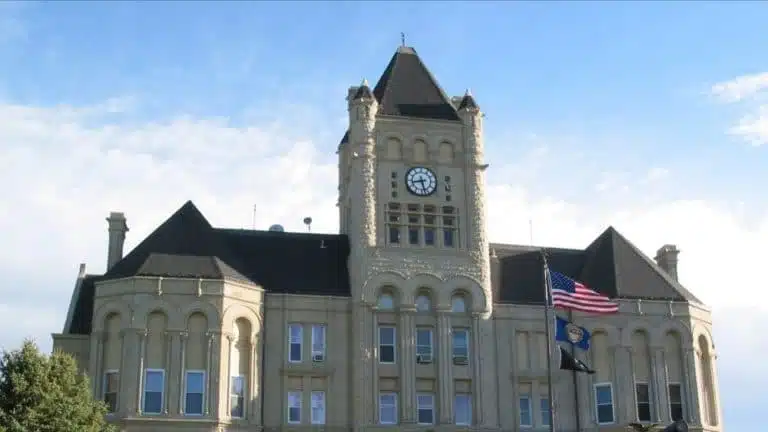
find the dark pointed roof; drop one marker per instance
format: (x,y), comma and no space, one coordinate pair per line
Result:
(611,265)
(468,102)
(363,92)
(408,89)
(187,246)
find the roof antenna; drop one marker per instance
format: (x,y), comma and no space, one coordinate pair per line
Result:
(402,39)
(530,230)
(254,216)
(308,223)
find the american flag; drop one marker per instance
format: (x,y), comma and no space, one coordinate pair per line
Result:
(569,294)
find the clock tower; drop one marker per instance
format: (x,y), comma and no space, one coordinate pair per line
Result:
(412,202)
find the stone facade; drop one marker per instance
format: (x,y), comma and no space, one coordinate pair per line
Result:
(420,336)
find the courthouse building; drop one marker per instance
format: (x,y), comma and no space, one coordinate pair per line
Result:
(408,319)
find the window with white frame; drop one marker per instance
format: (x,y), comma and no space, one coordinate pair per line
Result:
(387,408)
(318,343)
(544,410)
(424,345)
(317,399)
(294,407)
(462,409)
(458,305)
(643,399)
(425,408)
(460,346)
(295,337)
(675,401)
(111,388)
(154,386)
(194,390)
(604,403)
(423,303)
(386,344)
(526,416)
(237,397)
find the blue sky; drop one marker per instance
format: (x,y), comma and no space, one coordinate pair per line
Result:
(603,113)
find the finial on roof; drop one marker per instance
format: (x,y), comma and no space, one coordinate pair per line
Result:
(468,93)
(402,39)
(365,83)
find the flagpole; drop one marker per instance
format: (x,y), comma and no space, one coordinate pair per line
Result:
(575,382)
(548,330)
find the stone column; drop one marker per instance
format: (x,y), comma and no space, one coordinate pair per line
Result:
(715,390)
(142,336)
(362,365)
(98,370)
(661,394)
(625,385)
(210,371)
(94,368)
(407,363)
(121,407)
(445,367)
(692,405)
(253,381)
(182,369)
(168,338)
(478,416)
(228,384)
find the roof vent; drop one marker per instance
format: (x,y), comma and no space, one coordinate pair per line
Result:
(277,228)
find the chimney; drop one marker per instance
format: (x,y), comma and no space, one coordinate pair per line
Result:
(666,258)
(117,230)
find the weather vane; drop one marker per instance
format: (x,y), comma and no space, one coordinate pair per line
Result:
(402,38)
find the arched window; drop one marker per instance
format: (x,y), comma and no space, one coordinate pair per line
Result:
(239,362)
(423,304)
(445,154)
(419,151)
(155,365)
(673,355)
(195,365)
(386,301)
(641,363)
(113,347)
(458,304)
(394,149)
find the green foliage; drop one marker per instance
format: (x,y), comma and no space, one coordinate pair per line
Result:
(46,394)
(638,427)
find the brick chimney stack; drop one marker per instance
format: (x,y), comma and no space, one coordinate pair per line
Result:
(117,229)
(666,258)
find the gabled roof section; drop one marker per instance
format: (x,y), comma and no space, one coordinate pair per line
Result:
(168,249)
(633,275)
(611,265)
(408,89)
(204,267)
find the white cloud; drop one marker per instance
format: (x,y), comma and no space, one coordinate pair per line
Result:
(741,88)
(64,172)
(751,91)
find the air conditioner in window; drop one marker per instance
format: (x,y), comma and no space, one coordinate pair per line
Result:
(423,358)
(460,360)
(318,358)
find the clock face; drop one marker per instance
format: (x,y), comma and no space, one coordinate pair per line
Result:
(421,181)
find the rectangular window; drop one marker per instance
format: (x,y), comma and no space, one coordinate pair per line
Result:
(318,407)
(425,409)
(675,401)
(423,345)
(111,388)
(526,419)
(460,346)
(448,237)
(413,235)
(388,408)
(544,409)
(394,234)
(429,236)
(386,344)
(194,384)
(295,337)
(237,397)
(318,343)
(462,407)
(604,403)
(294,407)
(154,385)
(643,398)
